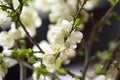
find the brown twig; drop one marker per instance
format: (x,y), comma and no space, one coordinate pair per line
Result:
(91,40)
(22,70)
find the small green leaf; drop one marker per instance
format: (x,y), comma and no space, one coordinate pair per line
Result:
(115,65)
(58,63)
(30,51)
(62,71)
(99,69)
(112,45)
(14,54)
(26,4)
(78,21)
(118,18)
(108,22)
(40,70)
(22,53)
(113,2)
(32,59)
(43,66)
(77,77)
(104,55)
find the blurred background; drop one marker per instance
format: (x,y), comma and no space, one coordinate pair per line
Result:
(107,34)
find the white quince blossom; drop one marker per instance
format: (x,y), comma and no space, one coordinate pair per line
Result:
(57,32)
(49,61)
(57,48)
(42,5)
(45,47)
(72,4)
(53,17)
(59,12)
(3,17)
(14,33)
(6,40)
(37,64)
(7,52)
(102,77)
(38,55)
(75,37)
(30,20)
(66,55)
(15,4)
(91,4)
(41,77)
(10,62)
(54,34)
(66,27)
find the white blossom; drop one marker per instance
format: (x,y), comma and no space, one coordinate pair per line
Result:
(30,20)
(15,4)
(10,62)
(38,55)
(66,55)
(41,77)
(49,61)
(102,77)
(91,4)
(37,64)
(7,52)
(3,17)
(75,37)
(14,33)
(54,35)
(6,40)
(42,5)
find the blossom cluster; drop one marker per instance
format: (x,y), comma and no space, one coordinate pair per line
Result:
(62,37)
(9,38)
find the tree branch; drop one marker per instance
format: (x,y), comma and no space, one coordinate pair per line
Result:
(91,39)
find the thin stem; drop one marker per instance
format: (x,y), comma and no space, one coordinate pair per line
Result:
(72,74)
(91,39)
(22,71)
(54,76)
(113,51)
(26,64)
(27,33)
(118,76)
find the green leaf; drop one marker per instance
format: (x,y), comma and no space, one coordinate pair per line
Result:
(26,4)
(58,63)
(62,71)
(14,54)
(108,22)
(78,21)
(1,57)
(104,55)
(115,65)
(40,70)
(22,53)
(113,2)
(99,69)
(118,18)
(112,45)
(30,51)
(77,77)
(4,8)
(32,59)
(43,66)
